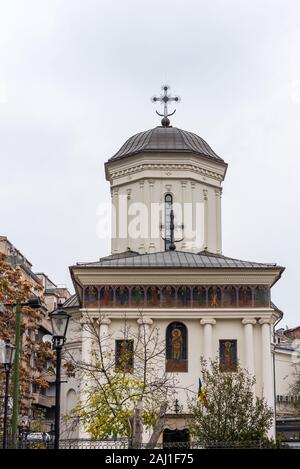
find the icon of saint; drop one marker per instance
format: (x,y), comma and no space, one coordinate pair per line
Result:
(177,342)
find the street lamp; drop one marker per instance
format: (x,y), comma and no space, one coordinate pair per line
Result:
(34,303)
(7,355)
(59,321)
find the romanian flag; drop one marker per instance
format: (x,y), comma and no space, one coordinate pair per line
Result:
(202,394)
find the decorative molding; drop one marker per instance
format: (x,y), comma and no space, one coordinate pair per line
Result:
(246,321)
(205,321)
(265,321)
(166,168)
(147,321)
(104,322)
(183,184)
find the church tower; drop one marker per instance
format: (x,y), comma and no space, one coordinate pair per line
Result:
(155,171)
(167,272)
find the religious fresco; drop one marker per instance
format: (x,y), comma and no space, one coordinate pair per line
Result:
(261,296)
(176,348)
(169,296)
(91,299)
(181,296)
(122,296)
(214,296)
(245,296)
(200,297)
(229,296)
(106,296)
(124,356)
(137,296)
(228,355)
(153,296)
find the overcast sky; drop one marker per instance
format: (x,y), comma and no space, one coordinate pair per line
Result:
(76,79)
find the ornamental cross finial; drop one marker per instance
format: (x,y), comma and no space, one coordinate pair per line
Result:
(164,98)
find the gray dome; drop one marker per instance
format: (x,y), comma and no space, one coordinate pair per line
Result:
(165,139)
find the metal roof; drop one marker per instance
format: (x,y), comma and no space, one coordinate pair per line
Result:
(71,302)
(174,259)
(166,139)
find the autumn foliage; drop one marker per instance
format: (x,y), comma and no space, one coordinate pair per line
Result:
(14,286)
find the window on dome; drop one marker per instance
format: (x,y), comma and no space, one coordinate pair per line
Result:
(168,208)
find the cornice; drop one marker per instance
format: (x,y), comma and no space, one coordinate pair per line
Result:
(264,314)
(118,173)
(143,276)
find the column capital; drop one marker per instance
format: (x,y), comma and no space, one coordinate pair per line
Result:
(147,321)
(84,320)
(205,321)
(246,321)
(183,184)
(104,321)
(265,321)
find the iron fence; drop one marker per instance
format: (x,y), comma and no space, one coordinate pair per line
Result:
(119,444)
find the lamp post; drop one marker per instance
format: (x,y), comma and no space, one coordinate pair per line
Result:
(7,353)
(59,321)
(34,303)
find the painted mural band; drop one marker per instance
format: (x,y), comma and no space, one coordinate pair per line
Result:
(167,296)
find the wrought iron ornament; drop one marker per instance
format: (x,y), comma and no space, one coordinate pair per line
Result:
(164,99)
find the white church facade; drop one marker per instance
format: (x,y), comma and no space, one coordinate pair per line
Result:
(174,278)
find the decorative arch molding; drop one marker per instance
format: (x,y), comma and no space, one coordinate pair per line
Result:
(71,399)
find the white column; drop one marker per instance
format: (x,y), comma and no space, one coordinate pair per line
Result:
(142,241)
(207,324)
(114,219)
(267,367)
(86,340)
(192,241)
(248,344)
(145,327)
(153,242)
(104,333)
(183,201)
(205,199)
(218,193)
(86,347)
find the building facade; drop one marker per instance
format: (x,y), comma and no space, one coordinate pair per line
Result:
(170,274)
(38,408)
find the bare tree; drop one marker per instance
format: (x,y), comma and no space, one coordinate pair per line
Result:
(124,386)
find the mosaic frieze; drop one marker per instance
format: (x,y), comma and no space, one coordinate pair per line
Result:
(167,296)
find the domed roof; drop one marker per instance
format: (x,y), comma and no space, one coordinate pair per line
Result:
(166,139)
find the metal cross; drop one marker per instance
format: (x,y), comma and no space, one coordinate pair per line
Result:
(164,99)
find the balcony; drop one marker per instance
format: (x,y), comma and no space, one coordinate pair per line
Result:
(42,400)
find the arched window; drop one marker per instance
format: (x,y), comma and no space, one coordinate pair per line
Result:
(168,208)
(176,348)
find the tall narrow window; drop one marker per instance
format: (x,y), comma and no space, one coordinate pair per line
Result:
(168,208)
